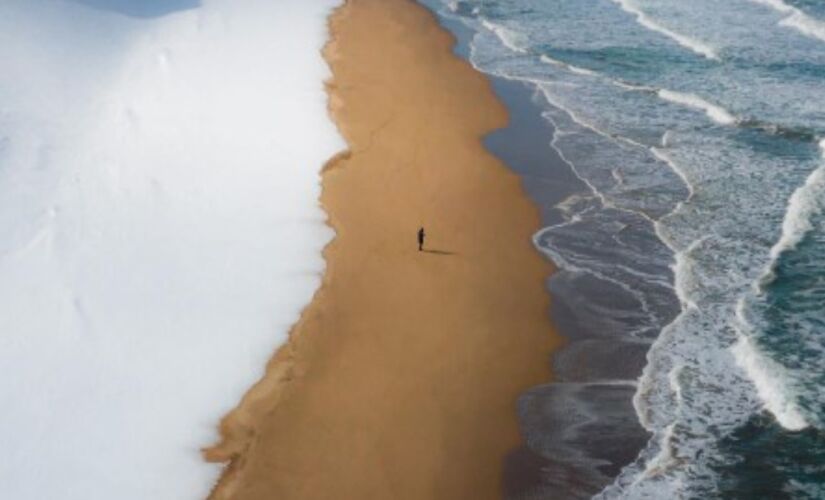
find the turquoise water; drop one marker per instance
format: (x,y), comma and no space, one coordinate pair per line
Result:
(697,125)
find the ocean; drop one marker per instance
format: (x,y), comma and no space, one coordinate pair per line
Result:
(675,150)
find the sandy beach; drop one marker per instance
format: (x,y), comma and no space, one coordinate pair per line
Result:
(400,380)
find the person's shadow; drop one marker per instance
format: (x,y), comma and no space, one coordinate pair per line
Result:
(438,252)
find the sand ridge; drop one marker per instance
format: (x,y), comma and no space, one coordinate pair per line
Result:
(400,380)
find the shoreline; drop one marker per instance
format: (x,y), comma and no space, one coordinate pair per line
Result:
(565,455)
(404,363)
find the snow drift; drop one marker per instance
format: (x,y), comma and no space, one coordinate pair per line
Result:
(159,230)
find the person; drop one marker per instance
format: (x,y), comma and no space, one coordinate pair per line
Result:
(421,239)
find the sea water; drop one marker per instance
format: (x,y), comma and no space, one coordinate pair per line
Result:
(696,131)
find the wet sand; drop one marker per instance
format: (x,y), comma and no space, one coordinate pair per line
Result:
(400,380)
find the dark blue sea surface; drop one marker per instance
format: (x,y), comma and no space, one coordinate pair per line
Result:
(682,192)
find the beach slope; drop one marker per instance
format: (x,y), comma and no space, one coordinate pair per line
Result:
(401,378)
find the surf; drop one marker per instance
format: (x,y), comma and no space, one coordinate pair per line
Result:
(692,44)
(796,19)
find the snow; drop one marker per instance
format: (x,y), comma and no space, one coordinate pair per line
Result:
(159,231)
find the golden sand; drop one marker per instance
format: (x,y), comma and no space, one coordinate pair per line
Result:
(400,380)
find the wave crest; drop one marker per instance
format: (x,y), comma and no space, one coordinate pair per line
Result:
(509,38)
(694,45)
(716,113)
(568,67)
(805,203)
(768,376)
(796,19)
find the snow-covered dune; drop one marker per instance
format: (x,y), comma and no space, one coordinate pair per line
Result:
(159,230)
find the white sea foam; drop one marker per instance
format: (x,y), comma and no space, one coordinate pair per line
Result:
(805,25)
(567,205)
(569,67)
(159,232)
(797,19)
(768,377)
(587,72)
(692,44)
(512,40)
(663,460)
(716,113)
(805,203)
(662,156)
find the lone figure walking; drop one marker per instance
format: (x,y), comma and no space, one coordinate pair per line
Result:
(421,238)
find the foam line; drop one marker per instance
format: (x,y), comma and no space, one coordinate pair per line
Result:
(507,36)
(643,19)
(716,113)
(805,203)
(768,376)
(568,67)
(796,19)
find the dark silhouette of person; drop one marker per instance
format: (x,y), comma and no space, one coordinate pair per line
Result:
(421,238)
